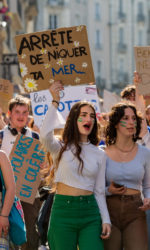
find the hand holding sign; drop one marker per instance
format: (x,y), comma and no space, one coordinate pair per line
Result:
(55,89)
(68,97)
(137,78)
(140,103)
(139,100)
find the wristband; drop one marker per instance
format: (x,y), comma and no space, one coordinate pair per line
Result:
(4,215)
(56,102)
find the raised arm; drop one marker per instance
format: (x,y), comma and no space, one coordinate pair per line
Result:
(52,120)
(140,104)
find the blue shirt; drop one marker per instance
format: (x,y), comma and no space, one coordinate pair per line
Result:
(134,174)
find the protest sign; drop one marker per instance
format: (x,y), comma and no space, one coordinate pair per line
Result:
(61,54)
(26,157)
(109,100)
(142,59)
(147,100)
(6,93)
(41,100)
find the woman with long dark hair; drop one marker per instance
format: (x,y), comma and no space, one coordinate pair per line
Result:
(127,174)
(79,215)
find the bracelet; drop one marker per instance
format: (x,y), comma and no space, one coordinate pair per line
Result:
(56,102)
(4,215)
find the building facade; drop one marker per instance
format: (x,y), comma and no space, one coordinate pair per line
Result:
(64,13)
(19,18)
(114,28)
(128,27)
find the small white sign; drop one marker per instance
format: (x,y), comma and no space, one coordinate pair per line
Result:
(69,96)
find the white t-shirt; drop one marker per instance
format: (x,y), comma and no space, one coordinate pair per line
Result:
(9,139)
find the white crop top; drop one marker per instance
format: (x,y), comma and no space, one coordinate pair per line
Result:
(93,174)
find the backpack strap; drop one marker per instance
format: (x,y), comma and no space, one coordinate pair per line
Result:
(1,137)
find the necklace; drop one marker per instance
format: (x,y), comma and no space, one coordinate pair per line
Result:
(125,151)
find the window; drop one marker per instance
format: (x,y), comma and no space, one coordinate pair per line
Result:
(140,15)
(122,47)
(120,6)
(19,8)
(52,22)
(77,20)
(97,11)
(149,21)
(140,37)
(121,36)
(52,2)
(121,65)
(98,39)
(8,35)
(121,70)
(140,8)
(98,66)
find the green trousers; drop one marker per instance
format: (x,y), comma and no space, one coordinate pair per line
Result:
(75,221)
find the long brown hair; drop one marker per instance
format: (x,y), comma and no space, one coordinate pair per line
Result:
(116,114)
(71,133)
(70,136)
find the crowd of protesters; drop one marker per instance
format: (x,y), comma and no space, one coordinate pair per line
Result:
(95,181)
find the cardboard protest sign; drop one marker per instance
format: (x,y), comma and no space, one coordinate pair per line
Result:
(147,100)
(109,100)
(25,157)
(41,100)
(61,54)
(6,93)
(142,59)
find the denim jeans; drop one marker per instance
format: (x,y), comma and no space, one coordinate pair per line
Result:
(129,228)
(75,220)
